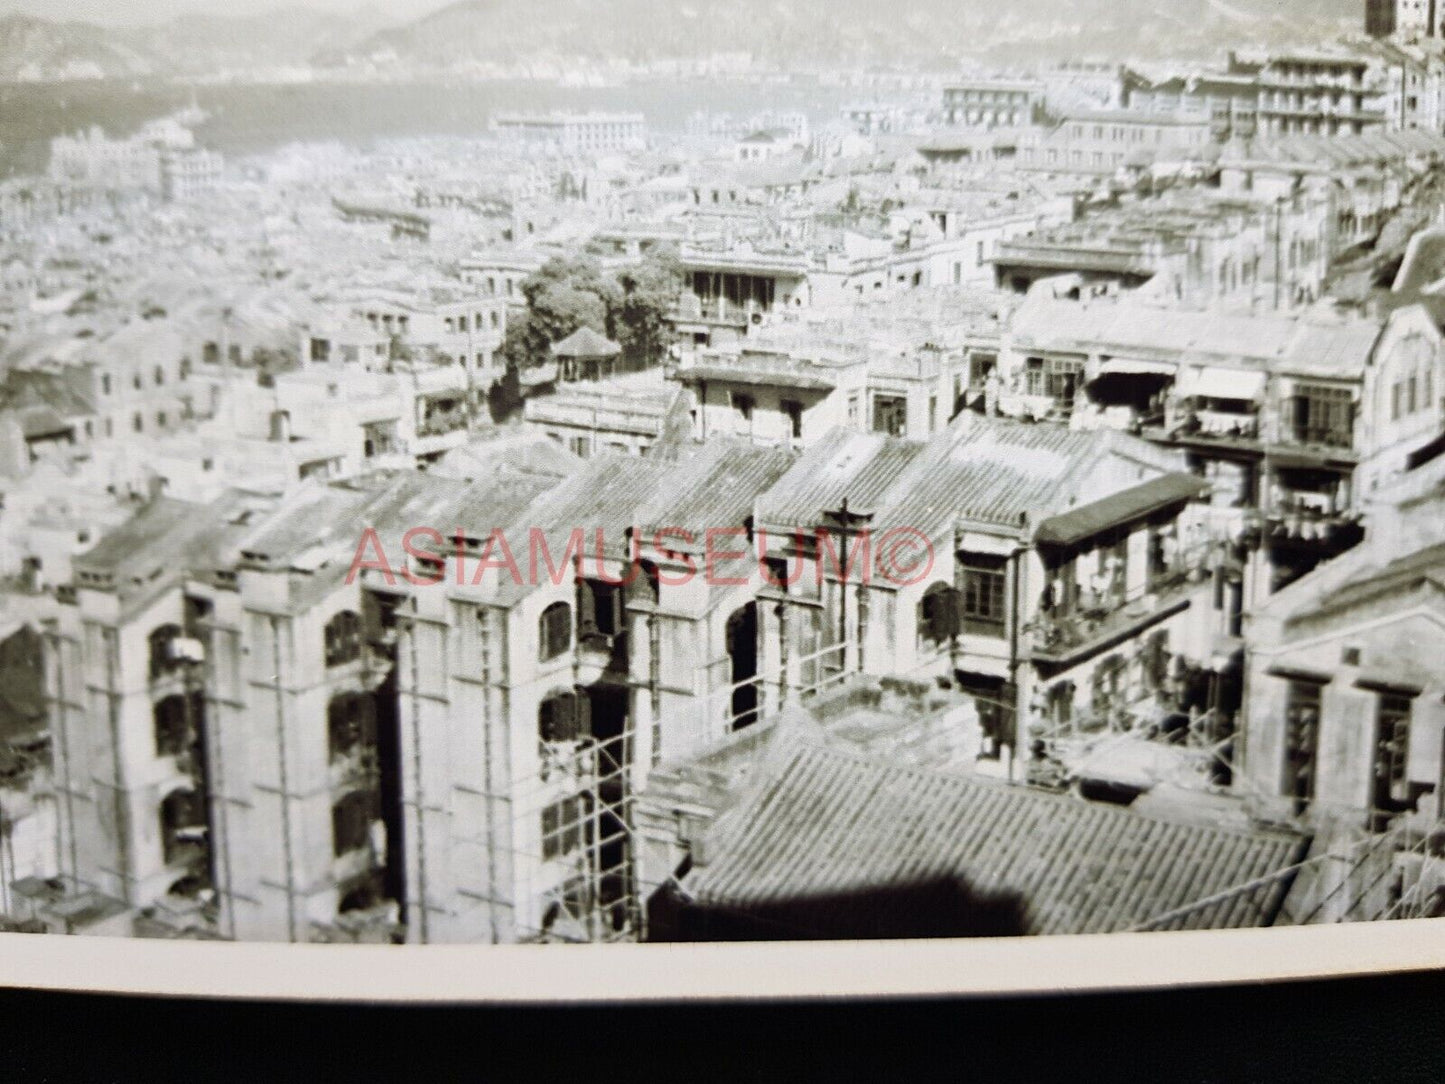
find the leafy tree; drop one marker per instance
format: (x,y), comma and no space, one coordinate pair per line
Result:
(564,295)
(649,291)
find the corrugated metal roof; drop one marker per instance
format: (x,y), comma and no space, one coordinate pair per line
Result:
(829,823)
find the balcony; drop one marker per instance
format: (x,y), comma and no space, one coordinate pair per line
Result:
(441,423)
(718,310)
(1297,520)
(1102,619)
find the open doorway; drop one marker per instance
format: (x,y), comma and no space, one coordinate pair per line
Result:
(742,649)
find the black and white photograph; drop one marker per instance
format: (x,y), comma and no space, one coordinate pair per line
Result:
(553,473)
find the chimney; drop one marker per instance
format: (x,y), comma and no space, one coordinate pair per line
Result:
(281,426)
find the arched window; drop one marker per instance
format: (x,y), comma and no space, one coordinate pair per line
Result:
(559,716)
(343,638)
(938,615)
(554,631)
(163,659)
(182,823)
(160,375)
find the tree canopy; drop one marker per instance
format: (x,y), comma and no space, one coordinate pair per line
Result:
(629,306)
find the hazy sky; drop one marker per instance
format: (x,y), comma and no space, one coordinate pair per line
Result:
(138,12)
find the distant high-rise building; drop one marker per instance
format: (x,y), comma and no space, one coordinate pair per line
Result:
(1413,18)
(1380,18)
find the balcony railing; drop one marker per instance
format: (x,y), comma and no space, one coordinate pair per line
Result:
(1183,420)
(1100,616)
(1321,436)
(717,310)
(440,424)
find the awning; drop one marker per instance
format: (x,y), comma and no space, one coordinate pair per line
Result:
(1136,367)
(1126,506)
(1229,384)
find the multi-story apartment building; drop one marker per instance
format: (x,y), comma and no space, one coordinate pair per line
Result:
(620,416)
(1365,178)
(731,289)
(1314,93)
(434,728)
(1294,420)
(1102,143)
(1191,247)
(162,158)
(501,272)
(1408,18)
(993,103)
(1342,723)
(1046,572)
(575,133)
(145,378)
(1381,17)
(903,368)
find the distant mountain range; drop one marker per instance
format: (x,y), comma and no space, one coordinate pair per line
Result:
(842,31)
(778,33)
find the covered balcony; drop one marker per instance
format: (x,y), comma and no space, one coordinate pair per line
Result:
(1218,406)
(438,415)
(1113,568)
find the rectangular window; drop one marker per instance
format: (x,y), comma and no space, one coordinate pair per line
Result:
(1391,792)
(793,410)
(890,415)
(1322,415)
(566,826)
(743,404)
(982,578)
(1302,730)
(1054,378)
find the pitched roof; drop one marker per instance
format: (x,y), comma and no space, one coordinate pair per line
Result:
(1129,504)
(1370,580)
(586,343)
(987,470)
(829,823)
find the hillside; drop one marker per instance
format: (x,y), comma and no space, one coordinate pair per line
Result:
(849,31)
(776,33)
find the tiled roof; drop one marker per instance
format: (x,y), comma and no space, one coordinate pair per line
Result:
(828,823)
(585,343)
(715,487)
(166,540)
(982,469)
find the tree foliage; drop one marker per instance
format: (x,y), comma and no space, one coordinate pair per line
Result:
(564,295)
